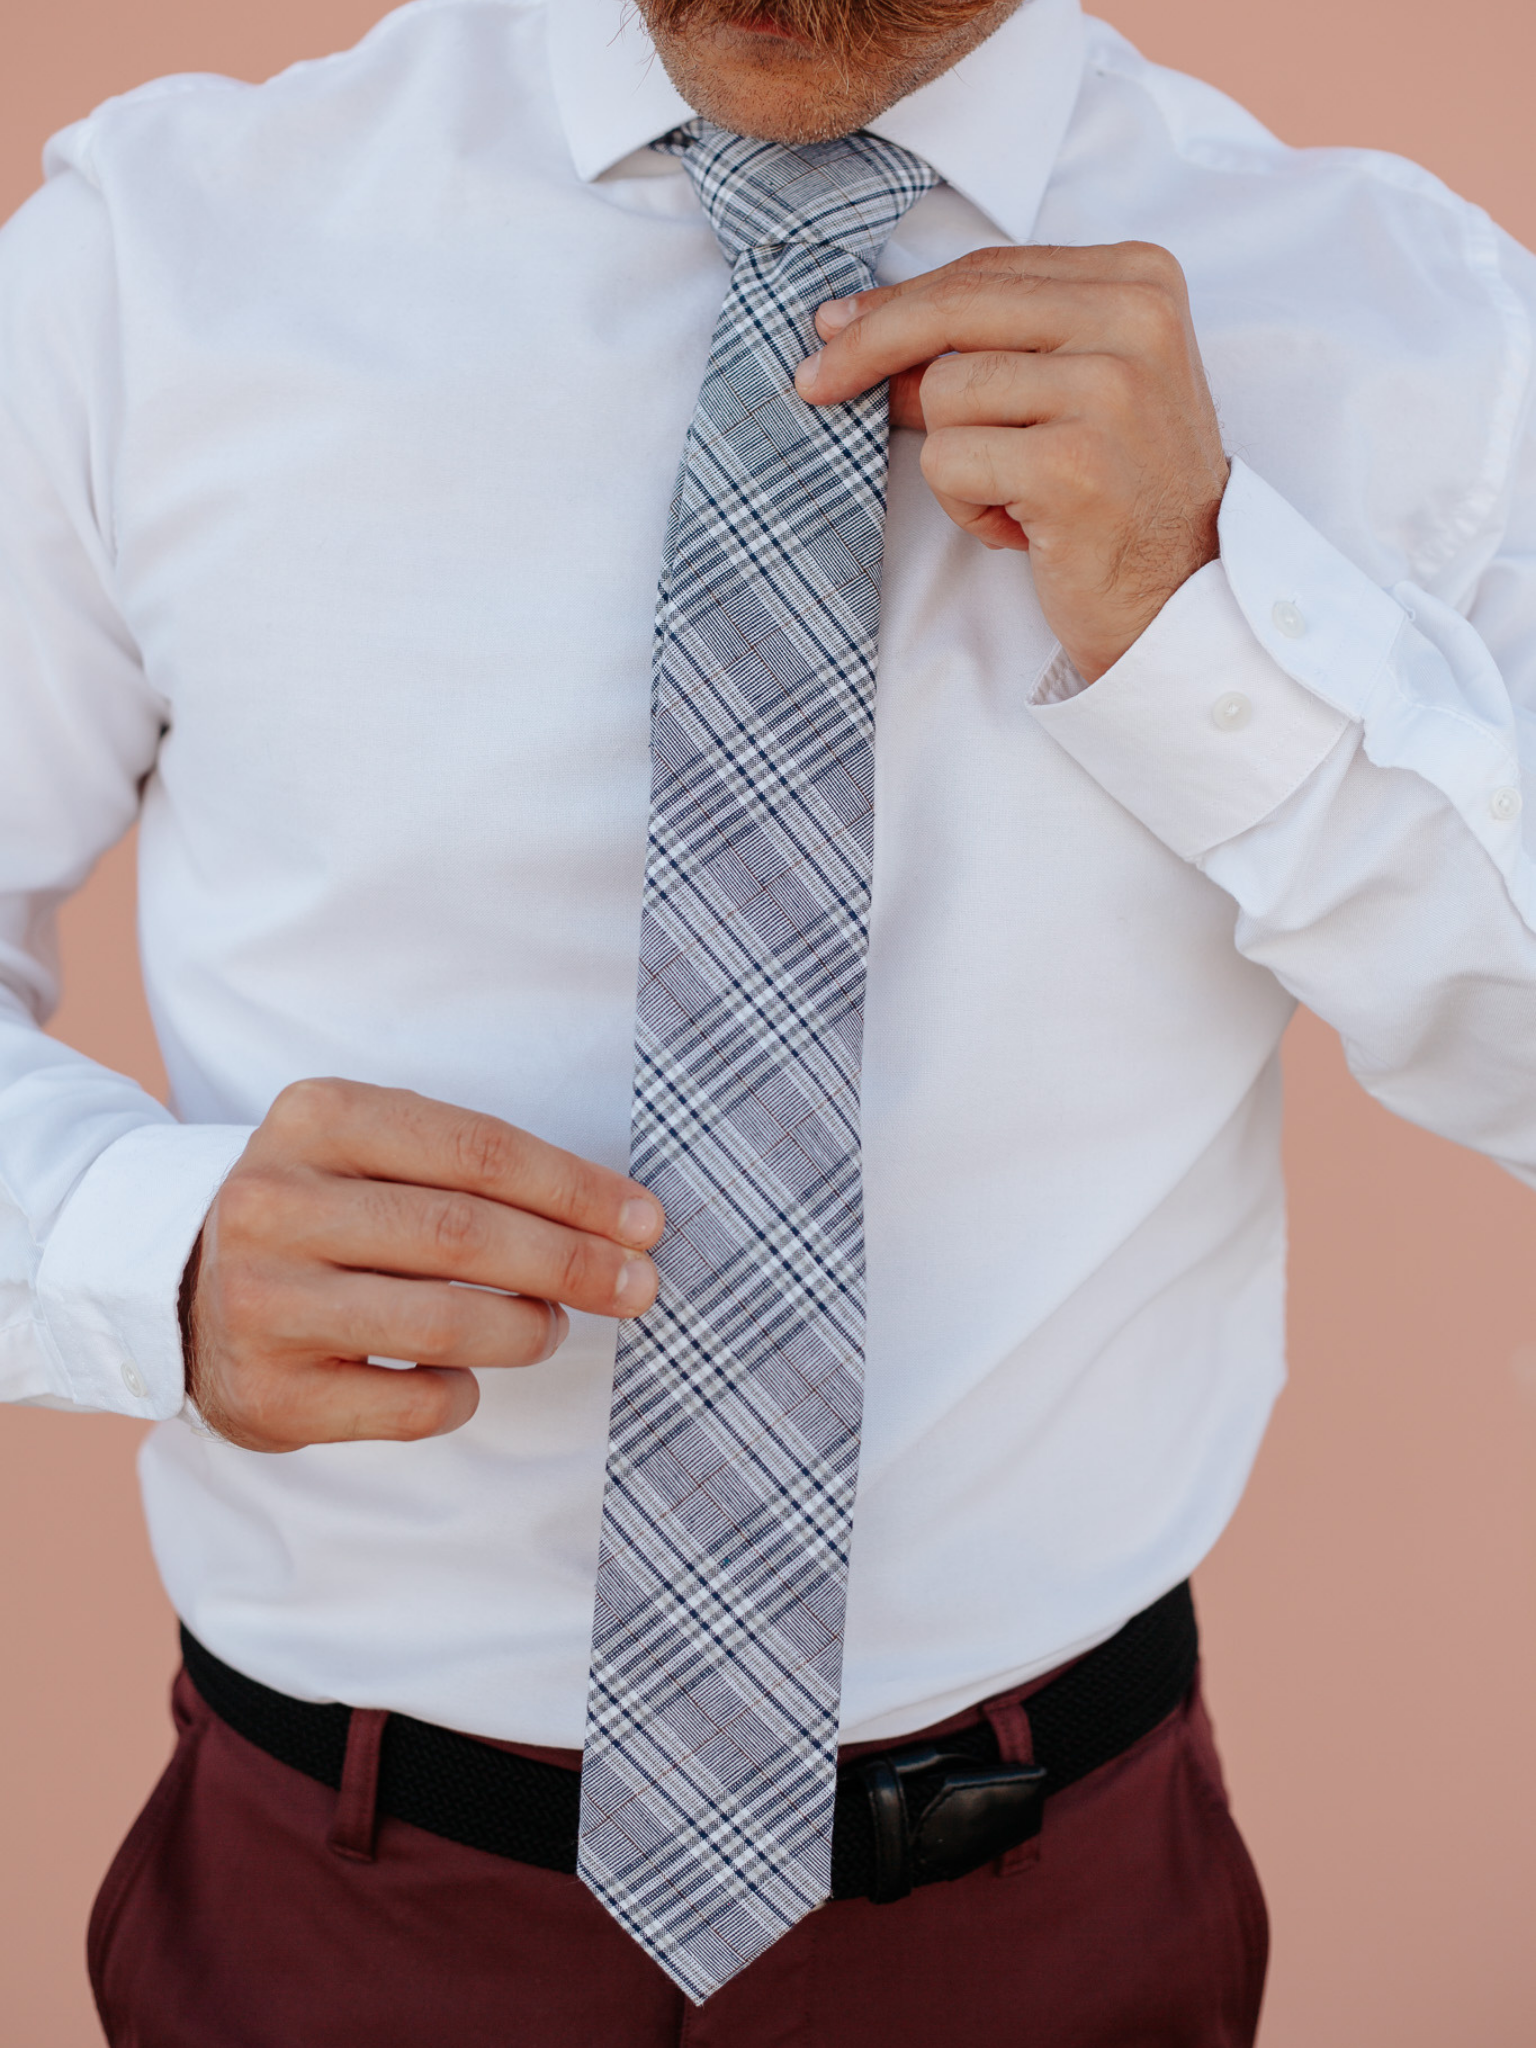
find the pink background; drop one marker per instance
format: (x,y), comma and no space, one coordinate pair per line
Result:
(1370,1621)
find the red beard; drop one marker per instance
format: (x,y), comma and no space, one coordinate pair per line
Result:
(848,29)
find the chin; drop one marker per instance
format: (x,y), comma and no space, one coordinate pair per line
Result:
(787,119)
(782,93)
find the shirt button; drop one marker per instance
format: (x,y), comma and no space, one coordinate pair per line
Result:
(1289,619)
(133,1380)
(1232,712)
(1505,804)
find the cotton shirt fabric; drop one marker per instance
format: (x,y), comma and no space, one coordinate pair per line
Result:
(339,418)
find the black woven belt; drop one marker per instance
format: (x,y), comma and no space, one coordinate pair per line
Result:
(912,1814)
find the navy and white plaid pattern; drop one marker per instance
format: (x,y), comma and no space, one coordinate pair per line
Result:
(709,1770)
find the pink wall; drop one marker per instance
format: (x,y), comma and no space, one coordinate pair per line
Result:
(1371,1616)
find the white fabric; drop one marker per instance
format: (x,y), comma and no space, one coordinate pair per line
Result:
(338,419)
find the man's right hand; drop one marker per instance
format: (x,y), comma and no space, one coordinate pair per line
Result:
(337,1237)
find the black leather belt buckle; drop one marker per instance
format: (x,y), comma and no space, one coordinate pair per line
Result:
(938,1814)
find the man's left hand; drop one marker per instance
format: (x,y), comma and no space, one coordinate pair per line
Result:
(1066,412)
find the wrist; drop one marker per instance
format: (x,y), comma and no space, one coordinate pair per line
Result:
(184,1303)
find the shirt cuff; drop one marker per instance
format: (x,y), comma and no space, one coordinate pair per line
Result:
(1196,730)
(109,1283)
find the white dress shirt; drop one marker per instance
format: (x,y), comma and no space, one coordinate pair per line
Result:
(338,420)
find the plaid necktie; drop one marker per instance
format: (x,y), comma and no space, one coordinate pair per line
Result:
(709,1770)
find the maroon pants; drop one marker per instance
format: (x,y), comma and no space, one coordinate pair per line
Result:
(250,1907)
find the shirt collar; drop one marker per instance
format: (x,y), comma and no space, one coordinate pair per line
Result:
(991,126)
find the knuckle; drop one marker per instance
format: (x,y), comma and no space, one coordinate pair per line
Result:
(972,372)
(441,1326)
(992,370)
(959,291)
(1065,460)
(988,260)
(1116,383)
(576,1191)
(310,1107)
(1156,315)
(486,1150)
(1084,465)
(1152,261)
(575,1269)
(458,1225)
(251,1205)
(426,1402)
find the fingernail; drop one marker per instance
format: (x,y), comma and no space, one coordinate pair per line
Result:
(808,372)
(639,1221)
(634,1284)
(837,314)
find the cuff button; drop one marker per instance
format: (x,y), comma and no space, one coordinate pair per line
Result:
(1232,712)
(1505,804)
(133,1380)
(1289,619)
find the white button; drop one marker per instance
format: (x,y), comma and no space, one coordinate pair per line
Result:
(133,1380)
(1505,804)
(1232,712)
(1289,618)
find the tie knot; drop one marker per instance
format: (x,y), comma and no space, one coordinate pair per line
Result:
(848,193)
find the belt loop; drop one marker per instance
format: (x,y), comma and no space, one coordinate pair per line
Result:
(1015,1745)
(357,1799)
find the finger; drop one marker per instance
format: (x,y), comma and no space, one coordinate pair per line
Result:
(980,312)
(1019,469)
(999,387)
(356,1316)
(1004,387)
(989,524)
(1104,262)
(285,1409)
(394,1134)
(388,1227)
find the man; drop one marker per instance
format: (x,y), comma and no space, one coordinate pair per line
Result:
(342,420)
